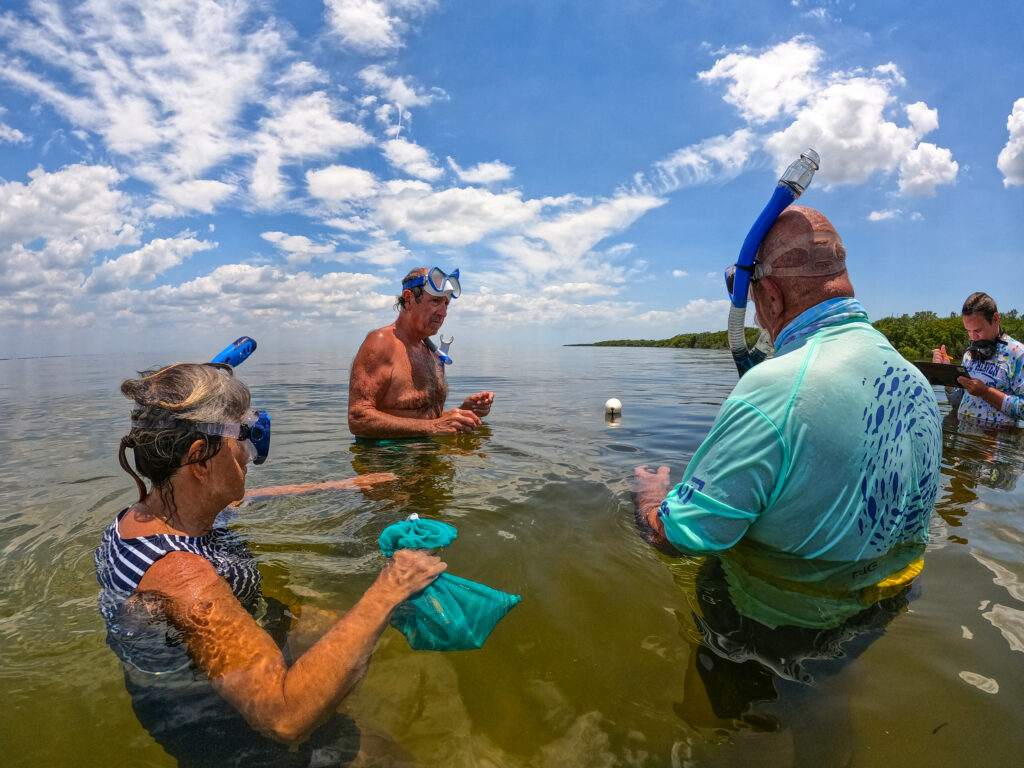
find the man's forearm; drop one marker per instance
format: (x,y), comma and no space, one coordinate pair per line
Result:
(993,397)
(377,424)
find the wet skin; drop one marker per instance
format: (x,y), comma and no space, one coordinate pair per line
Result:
(242,661)
(397,386)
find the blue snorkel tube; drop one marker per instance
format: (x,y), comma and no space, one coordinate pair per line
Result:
(235,353)
(794,181)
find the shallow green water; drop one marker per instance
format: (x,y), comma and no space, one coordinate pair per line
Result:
(594,667)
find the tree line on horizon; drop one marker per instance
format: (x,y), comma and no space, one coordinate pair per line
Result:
(913,336)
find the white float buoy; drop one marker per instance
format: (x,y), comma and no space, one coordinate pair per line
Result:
(613,406)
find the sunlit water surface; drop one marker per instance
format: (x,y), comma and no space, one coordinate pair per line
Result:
(593,668)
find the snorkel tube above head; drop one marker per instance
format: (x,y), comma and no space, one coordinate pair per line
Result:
(235,353)
(794,181)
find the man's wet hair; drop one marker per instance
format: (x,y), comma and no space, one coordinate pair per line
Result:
(980,304)
(417,291)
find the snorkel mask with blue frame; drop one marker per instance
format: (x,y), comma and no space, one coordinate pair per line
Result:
(437,282)
(254,434)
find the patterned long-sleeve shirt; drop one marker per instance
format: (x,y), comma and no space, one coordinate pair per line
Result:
(1005,372)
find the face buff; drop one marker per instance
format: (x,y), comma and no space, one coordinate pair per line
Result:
(984,350)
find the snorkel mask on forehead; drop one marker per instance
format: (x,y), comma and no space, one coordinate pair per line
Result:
(437,282)
(254,434)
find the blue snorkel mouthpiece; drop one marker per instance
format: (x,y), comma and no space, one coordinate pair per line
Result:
(235,353)
(791,185)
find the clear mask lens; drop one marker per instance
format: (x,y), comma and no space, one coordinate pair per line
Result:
(440,283)
(258,435)
(250,450)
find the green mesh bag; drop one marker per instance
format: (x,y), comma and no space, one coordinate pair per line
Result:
(452,614)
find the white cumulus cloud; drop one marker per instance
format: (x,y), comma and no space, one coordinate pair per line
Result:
(561,248)
(381,253)
(258,292)
(715,159)
(845,116)
(398,90)
(340,183)
(482,173)
(297,249)
(1011,158)
(199,194)
(925,167)
(454,217)
(50,232)
(885,215)
(573,233)
(52,227)
(302,74)
(144,264)
(580,290)
(412,159)
(373,26)
(772,84)
(298,128)
(8,134)
(162,83)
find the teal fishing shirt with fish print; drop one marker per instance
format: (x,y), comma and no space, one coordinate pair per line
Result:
(827,452)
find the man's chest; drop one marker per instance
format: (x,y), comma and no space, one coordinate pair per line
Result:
(417,381)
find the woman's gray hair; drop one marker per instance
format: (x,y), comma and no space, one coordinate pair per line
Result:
(169,402)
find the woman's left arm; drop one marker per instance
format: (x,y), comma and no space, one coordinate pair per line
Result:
(247,668)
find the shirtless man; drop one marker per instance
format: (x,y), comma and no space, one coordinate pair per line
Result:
(397,386)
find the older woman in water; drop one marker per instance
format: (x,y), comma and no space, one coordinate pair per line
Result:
(194,583)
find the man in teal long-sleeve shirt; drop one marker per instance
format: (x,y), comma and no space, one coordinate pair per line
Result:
(823,463)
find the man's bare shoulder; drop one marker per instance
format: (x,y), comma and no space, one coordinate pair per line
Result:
(379,344)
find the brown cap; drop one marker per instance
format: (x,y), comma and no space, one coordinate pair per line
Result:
(802,242)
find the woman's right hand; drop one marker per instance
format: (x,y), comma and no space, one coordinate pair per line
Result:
(408,572)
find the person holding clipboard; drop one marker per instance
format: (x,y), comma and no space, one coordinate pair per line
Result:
(992,390)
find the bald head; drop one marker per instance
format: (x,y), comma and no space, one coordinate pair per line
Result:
(802,243)
(805,264)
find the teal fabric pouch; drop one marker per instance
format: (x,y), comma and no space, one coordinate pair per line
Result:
(452,614)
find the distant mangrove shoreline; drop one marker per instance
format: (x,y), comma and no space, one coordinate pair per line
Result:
(914,336)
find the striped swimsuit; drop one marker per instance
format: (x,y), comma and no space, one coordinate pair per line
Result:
(121,563)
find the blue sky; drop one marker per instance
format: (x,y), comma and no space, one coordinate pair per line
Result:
(175,173)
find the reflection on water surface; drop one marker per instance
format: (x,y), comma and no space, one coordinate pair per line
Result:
(599,665)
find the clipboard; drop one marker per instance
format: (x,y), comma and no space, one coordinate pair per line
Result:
(942,374)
